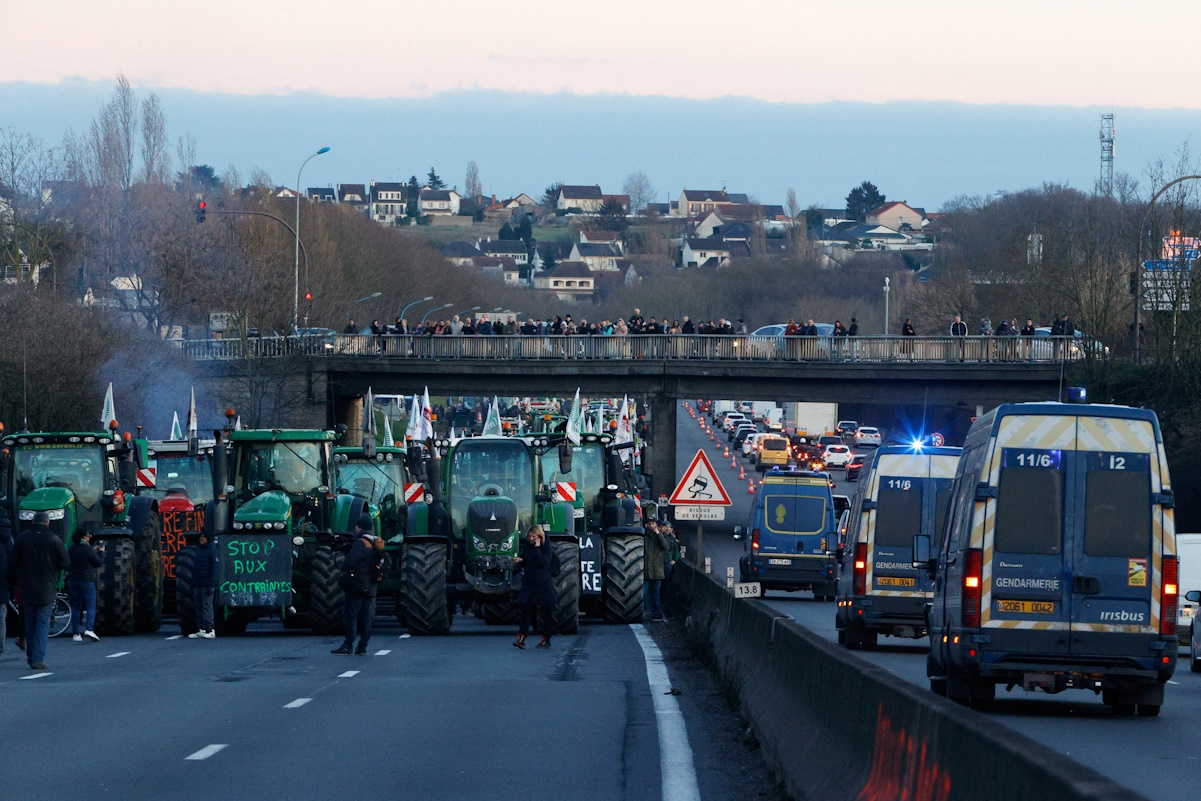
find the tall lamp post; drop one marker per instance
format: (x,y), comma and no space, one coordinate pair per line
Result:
(372,296)
(473,308)
(886,328)
(296,230)
(414,303)
(431,311)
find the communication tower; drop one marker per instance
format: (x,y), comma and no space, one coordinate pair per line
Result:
(1105,185)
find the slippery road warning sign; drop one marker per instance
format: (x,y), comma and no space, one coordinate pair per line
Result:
(699,486)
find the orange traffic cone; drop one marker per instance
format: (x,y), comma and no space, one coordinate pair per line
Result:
(727,451)
(710,436)
(750,486)
(741,474)
(733,464)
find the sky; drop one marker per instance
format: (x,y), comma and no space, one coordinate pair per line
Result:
(929,99)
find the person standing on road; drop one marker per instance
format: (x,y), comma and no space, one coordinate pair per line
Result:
(537,596)
(654,550)
(5,548)
(81,579)
(37,559)
(204,587)
(673,551)
(362,570)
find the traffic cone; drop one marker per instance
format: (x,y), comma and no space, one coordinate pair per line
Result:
(741,474)
(733,464)
(727,451)
(750,486)
(711,437)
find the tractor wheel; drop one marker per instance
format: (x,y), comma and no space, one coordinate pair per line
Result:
(114,588)
(185,561)
(148,575)
(501,613)
(567,588)
(424,569)
(227,621)
(622,579)
(326,598)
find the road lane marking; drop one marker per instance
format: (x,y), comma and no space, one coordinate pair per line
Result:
(1172,682)
(36,676)
(350,674)
(382,653)
(174,636)
(299,702)
(207,751)
(119,653)
(675,754)
(405,636)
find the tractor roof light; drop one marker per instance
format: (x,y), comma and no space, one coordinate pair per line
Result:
(112,424)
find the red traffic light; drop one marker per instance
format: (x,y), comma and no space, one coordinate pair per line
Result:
(201,205)
(308,295)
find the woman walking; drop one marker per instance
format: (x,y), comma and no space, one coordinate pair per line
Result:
(537,595)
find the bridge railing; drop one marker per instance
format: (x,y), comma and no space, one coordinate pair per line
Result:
(665,347)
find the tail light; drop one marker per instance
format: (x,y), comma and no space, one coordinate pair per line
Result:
(859,577)
(755,541)
(973,569)
(119,501)
(1169,596)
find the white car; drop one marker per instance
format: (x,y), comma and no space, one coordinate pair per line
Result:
(748,444)
(836,456)
(733,420)
(867,435)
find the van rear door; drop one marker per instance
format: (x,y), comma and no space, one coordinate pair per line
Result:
(1114,571)
(899,511)
(1028,590)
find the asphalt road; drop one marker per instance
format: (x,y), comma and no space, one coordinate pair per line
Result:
(1158,757)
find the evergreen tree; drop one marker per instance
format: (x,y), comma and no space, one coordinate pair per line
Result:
(433,181)
(413,191)
(525,230)
(863,199)
(507,233)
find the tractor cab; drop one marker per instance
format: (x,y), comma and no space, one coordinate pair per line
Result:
(180,477)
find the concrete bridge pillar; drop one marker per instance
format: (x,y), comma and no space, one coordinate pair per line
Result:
(663,439)
(351,415)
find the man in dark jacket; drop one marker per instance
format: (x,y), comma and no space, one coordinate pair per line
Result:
(6,545)
(81,578)
(362,570)
(654,550)
(537,595)
(204,586)
(37,559)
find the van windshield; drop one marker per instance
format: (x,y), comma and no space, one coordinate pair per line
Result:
(1029,511)
(898,516)
(794,514)
(1117,515)
(774,445)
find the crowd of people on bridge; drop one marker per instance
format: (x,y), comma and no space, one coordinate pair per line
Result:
(559,325)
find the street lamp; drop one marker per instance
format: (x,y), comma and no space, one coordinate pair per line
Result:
(296,230)
(473,308)
(414,303)
(431,311)
(372,296)
(886,328)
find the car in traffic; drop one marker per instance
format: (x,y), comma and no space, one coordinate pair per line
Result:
(846,428)
(868,435)
(836,456)
(829,439)
(748,444)
(730,419)
(1058,567)
(855,466)
(742,433)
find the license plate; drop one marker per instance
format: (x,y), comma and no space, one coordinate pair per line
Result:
(893,581)
(749,589)
(1026,607)
(784,562)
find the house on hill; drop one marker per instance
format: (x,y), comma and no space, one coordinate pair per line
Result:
(712,252)
(514,249)
(319,194)
(587,199)
(598,257)
(570,281)
(354,195)
(460,254)
(897,215)
(440,202)
(387,202)
(602,238)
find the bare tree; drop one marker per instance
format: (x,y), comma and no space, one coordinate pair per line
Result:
(28,234)
(472,187)
(640,189)
(185,154)
(156,160)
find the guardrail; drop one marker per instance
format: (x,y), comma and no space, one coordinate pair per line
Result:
(665,347)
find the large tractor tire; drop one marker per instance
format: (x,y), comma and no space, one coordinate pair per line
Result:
(501,613)
(424,569)
(115,588)
(185,562)
(228,621)
(148,575)
(326,598)
(623,578)
(567,588)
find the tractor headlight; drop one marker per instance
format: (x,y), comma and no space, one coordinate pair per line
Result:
(280,525)
(507,544)
(298,540)
(238,525)
(26,514)
(479,544)
(56,514)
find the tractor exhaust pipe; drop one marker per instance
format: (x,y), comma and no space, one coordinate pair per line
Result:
(220,482)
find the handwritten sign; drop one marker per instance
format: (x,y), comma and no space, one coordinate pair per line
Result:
(176,524)
(254,570)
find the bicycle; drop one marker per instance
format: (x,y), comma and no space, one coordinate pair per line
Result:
(60,614)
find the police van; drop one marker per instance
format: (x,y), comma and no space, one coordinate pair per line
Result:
(1057,568)
(792,534)
(903,493)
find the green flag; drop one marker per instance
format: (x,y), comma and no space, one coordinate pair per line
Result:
(492,424)
(176,429)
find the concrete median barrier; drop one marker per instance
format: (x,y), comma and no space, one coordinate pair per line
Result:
(835,727)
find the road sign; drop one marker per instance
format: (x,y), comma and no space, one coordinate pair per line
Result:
(937,439)
(749,589)
(414,493)
(1164,284)
(699,486)
(705,514)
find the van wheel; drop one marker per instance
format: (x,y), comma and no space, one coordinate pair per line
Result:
(842,636)
(1123,708)
(938,686)
(1148,710)
(1194,663)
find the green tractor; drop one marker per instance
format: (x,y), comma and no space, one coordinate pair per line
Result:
(89,479)
(609,527)
(282,530)
(377,476)
(459,547)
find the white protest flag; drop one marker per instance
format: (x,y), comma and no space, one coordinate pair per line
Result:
(413,429)
(193,426)
(176,430)
(573,420)
(625,433)
(492,424)
(109,412)
(427,417)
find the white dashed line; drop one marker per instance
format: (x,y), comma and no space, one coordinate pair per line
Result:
(1172,682)
(405,636)
(207,751)
(119,653)
(675,754)
(350,674)
(174,636)
(382,653)
(36,676)
(299,702)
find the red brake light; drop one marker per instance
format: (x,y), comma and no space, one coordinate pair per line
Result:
(859,577)
(973,567)
(1169,597)
(755,540)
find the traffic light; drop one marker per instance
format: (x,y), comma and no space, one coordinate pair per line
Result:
(200,207)
(308,296)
